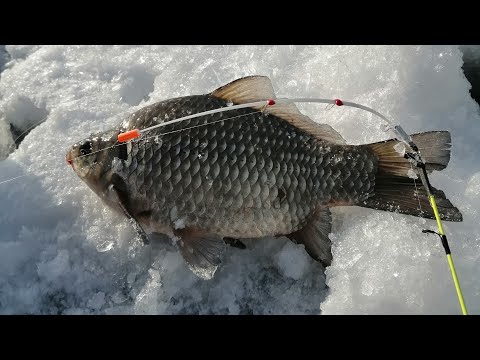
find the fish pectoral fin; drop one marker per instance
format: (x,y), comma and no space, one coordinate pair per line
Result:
(201,251)
(143,235)
(114,194)
(256,88)
(314,236)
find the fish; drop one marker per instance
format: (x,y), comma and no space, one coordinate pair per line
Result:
(250,173)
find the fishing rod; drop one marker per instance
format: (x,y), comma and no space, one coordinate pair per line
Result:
(413,156)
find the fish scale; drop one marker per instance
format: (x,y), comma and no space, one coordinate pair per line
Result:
(238,165)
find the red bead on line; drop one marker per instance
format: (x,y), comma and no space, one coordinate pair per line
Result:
(338,102)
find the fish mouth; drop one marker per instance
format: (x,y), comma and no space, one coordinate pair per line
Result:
(68,158)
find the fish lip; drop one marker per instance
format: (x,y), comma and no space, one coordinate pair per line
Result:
(68,157)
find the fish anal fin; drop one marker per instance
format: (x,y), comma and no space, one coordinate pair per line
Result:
(201,251)
(258,88)
(314,236)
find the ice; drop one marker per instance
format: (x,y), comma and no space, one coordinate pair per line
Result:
(118,297)
(473,186)
(146,301)
(105,246)
(412,174)
(4,57)
(179,224)
(97,301)
(293,261)
(400,148)
(21,111)
(63,252)
(6,140)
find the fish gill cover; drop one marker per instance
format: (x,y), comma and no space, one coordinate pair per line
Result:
(62,251)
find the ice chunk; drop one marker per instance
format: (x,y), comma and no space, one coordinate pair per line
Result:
(96,301)
(412,174)
(179,223)
(400,148)
(293,261)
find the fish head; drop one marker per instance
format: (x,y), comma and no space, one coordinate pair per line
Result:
(92,159)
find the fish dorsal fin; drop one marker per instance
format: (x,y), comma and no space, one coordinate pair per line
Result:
(246,89)
(257,88)
(322,132)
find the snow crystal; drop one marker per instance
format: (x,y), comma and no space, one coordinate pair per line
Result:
(179,224)
(400,148)
(412,174)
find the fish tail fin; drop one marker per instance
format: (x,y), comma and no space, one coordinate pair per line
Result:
(396,191)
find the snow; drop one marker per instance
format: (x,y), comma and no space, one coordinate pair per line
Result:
(179,224)
(293,261)
(63,252)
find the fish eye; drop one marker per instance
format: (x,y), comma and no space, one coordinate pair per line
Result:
(86,148)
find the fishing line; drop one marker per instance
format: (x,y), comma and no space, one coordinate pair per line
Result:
(400,134)
(135,133)
(17,177)
(97,151)
(329,107)
(191,127)
(13,146)
(30,128)
(166,133)
(417,193)
(117,143)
